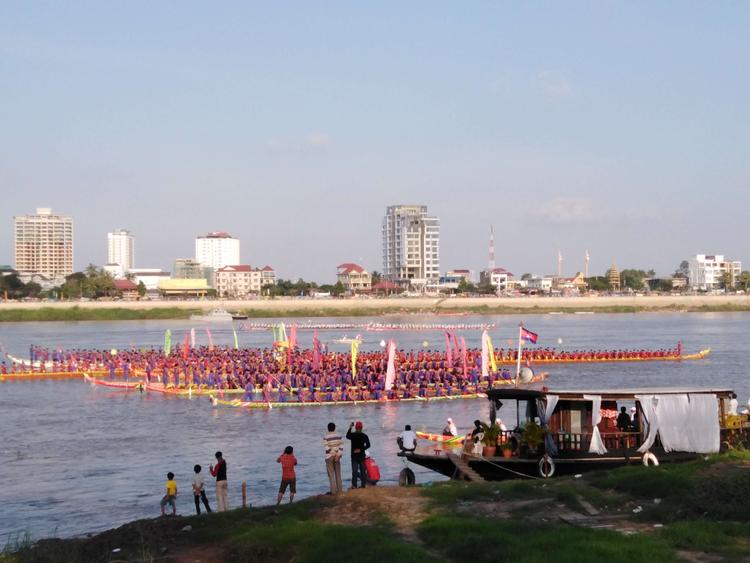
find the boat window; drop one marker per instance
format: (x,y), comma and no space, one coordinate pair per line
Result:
(575,421)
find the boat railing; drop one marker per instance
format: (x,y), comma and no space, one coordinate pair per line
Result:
(581,441)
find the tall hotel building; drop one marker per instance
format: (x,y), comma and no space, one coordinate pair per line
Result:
(216,250)
(44,243)
(411,247)
(120,249)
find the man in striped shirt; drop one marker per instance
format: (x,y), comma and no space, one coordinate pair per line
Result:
(334,449)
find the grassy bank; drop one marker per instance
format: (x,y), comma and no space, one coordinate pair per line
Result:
(694,511)
(99,314)
(77,313)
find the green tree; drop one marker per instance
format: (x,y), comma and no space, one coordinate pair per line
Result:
(683,270)
(465,286)
(598,283)
(526,277)
(141,289)
(744,280)
(12,286)
(634,278)
(725,281)
(375,277)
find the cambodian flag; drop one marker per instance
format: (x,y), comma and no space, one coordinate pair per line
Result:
(528,335)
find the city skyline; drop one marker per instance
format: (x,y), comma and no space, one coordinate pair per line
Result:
(190,122)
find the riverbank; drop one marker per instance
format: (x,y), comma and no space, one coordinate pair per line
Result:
(692,511)
(286,307)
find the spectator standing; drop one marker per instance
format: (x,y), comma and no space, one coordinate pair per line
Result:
(334,449)
(222,491)
(199,491)
(360,444)
(288,476)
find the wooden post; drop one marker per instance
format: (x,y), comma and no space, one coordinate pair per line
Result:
(244,494)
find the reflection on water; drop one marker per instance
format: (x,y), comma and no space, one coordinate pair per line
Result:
(76,459)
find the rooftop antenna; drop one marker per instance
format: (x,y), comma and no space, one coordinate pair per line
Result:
(491,261)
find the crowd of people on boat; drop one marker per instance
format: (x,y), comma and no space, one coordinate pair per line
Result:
(364,470)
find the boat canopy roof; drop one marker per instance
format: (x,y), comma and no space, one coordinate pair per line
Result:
(607,394)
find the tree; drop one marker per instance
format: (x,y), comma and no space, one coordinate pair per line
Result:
(634,278)
(526,277)
(683,271)
(141,289)
(598,283)
(465,286)
(12,286)
(744,280)
(375,277)
(725,281)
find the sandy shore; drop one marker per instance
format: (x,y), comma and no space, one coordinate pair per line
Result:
(396,304)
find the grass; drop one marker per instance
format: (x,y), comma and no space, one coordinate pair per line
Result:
(84,314)
(726,538)
(493,540)
(717,488)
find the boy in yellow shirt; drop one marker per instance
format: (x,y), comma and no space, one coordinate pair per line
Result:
(171,495)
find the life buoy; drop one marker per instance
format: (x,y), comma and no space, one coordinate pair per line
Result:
(546,466)
(650,459)
(406,477)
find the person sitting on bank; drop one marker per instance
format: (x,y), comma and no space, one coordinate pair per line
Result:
(407,440)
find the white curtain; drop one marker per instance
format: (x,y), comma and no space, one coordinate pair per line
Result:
(648,408)
(597,446)
(549,440)
(684,423)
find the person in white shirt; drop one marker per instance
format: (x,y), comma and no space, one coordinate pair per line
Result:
(199,493)
(450,428)
(733,404)
(407,440)
(334,449)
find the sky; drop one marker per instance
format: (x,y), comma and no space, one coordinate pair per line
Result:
(617,127)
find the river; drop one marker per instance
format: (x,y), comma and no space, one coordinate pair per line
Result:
(76,459)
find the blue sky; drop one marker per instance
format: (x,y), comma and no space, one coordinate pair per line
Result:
(621,127)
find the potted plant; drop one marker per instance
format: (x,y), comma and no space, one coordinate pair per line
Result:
(507,449)
(489,440)
(532,436)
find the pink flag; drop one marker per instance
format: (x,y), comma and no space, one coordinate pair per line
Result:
(185,349)
(210,340)
(448,351)
(192,338)
(390,373)
(463,357)
(455,343)
(293,337)
(316,351)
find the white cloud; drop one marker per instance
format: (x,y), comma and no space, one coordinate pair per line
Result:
(554,85)
(568,210)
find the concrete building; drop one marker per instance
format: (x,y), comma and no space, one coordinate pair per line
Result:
(151,277)
(183,288)
(121,251)
(267,276)
(242,280)
(706,271)
(497,278)
(411,247)
(461,273)
(353,277)
(44,243)
(217,249)
(540,284)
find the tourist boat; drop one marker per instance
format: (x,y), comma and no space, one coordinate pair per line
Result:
(238,317)
(216,315)
(569,432)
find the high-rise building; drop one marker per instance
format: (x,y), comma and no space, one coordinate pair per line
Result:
(216,250)
(411,247)
(44,243)
(120,249)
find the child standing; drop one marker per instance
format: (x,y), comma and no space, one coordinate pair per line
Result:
(171,495)
(199,493)
(288,477)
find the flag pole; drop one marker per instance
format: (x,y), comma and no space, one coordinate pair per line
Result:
(518,361)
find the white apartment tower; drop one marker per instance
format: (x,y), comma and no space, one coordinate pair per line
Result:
(705,271)
(44,243)
(120,249)
(411,247)
(216,250)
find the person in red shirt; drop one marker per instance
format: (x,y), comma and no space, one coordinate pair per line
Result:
(288,477)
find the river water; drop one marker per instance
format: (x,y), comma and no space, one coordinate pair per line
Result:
(76,459)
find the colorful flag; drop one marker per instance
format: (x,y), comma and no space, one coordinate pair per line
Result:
(491,351)
(316,351)
(528,335)
(192,337)
(211,340)
(187,343)
(448,350)
(390,373)
(463,357)
(236,343)
(485,355)
(167,342)
(355,351)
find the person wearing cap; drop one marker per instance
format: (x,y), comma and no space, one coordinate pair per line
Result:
(450,428)
(360,444)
